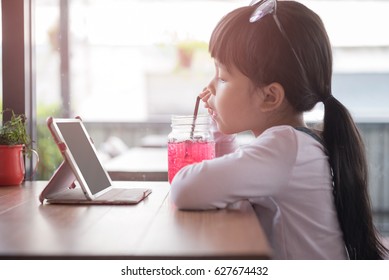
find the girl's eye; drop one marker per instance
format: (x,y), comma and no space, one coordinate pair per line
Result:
(221,80)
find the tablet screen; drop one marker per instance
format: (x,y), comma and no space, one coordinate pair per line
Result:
(84,155)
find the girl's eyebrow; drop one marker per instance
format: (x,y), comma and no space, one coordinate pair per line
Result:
(218,64)
(221,66)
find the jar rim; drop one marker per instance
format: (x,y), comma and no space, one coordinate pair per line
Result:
(187,120)
(189,116)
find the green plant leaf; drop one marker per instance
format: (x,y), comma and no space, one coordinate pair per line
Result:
(14,132)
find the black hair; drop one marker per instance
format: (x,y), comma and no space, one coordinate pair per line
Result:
(260,52)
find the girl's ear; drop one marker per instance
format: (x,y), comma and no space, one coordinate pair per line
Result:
(272,97)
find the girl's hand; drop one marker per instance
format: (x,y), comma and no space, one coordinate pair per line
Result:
(205,95)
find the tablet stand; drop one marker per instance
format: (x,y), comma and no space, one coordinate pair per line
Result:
(62,179)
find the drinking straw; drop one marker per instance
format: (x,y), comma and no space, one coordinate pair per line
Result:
(196,110)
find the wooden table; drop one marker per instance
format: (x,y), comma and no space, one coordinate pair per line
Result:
(153,229)
(139,164)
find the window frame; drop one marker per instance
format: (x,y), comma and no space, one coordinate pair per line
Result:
(18,62)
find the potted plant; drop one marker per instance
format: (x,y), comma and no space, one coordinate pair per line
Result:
(186,50)
(14,144)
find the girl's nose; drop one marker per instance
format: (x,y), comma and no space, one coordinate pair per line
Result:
(211,87)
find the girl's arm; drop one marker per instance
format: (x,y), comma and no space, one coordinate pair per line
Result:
(255,170)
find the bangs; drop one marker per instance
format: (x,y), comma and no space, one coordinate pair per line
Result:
(237,42)
(230,38)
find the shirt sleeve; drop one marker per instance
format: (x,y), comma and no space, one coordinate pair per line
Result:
(259,169)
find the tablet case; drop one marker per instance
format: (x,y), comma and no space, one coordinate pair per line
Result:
(62,187)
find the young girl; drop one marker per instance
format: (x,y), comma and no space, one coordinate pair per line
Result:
(309,190)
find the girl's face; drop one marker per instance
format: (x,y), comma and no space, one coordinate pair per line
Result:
(234,101)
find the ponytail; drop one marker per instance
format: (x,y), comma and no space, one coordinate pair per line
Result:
(350,182)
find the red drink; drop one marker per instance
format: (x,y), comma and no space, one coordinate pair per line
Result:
(187,152)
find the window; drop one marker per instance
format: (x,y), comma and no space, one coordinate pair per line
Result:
(131,64)
(125,62)
(360,51)
(124,56)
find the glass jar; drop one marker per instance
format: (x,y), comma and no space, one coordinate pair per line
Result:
(189,142)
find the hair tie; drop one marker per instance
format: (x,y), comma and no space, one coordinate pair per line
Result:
(329,98)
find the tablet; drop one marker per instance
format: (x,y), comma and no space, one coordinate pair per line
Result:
(81,158)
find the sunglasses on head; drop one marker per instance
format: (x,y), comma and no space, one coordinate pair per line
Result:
(269,7)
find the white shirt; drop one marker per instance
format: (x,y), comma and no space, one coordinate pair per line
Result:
(285,175)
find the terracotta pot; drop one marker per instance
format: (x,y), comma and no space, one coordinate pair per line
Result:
(185,58)
(11,165)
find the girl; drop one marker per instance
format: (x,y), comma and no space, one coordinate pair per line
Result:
(309,190)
